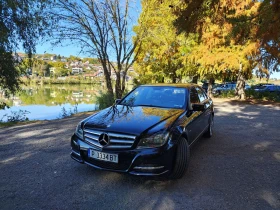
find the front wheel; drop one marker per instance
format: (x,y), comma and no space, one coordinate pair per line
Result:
(181,160)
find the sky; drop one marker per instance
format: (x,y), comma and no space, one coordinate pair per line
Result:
(59,50)
(275,75)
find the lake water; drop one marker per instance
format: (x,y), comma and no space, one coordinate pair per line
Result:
(47,102)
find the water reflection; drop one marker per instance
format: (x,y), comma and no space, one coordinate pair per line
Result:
(46,102)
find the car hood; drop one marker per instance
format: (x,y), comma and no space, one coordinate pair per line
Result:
(133,120)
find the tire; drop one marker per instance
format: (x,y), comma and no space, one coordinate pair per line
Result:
(209,132)
(182,158)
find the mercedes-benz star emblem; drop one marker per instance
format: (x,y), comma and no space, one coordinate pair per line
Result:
(104,139)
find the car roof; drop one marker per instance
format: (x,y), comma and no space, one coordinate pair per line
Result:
(264,84)
(269,85)
(180,85)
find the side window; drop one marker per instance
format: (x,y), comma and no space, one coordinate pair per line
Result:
(193,96)
(202,97)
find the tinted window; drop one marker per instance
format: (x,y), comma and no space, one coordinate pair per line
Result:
(194,96)
(202,97)
(156,96)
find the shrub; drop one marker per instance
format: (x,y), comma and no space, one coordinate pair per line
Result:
(105,100)
(270,96)
(64,112)
(16,116)
(227,94)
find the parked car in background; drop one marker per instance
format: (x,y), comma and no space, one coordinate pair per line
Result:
(149,132)
(205,86)
(223,87)
(266,88)
(226,87)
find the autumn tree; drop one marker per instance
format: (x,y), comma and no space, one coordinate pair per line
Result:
(162,51)
(102,29)
(236,35)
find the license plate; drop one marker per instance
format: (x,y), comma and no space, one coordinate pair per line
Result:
(103,156)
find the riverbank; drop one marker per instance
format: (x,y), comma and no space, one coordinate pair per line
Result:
(27,122)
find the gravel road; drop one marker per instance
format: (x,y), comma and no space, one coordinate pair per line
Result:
(238,168)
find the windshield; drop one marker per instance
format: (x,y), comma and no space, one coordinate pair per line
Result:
(156,96)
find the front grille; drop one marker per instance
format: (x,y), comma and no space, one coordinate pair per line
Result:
(117,140)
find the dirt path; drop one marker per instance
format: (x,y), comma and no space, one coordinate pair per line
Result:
(239,168)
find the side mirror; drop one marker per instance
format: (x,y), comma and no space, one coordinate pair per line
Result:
(198,107)
(117,101)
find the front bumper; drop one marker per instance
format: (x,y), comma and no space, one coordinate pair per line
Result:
(146,162)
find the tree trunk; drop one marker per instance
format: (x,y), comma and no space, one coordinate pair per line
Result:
(123,83)
(118,89)
(108,82)
(194,79)
(210,87)
(240,85)
(173,78)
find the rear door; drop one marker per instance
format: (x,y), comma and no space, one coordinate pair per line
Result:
(203,98)
(194,124)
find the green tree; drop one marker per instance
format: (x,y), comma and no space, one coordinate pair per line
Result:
(61,72)
(22,22)
(39,67)
(74,58)
(91,60)
(57,64)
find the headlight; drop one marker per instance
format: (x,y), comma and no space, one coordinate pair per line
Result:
(155,140)
(79,131)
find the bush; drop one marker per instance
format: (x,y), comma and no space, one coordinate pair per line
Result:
(16,116)
(105,100)
(64,112)
(270,96)
(227,94)
(252,94)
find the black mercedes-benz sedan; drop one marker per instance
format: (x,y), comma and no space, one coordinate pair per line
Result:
(149,132)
